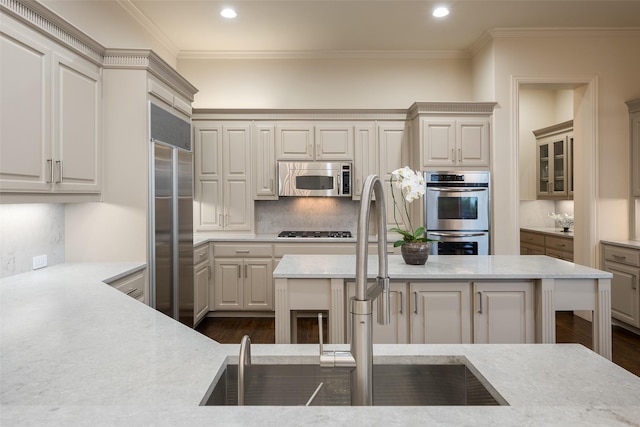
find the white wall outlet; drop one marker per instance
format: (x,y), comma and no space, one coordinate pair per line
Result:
(39,261)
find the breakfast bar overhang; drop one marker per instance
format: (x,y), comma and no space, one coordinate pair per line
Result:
(318,282)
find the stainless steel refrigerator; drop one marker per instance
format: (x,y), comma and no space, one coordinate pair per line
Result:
(171,246)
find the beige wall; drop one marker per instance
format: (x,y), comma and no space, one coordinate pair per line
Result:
(326,82)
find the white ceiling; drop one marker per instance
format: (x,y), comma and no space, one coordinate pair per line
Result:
(361,25)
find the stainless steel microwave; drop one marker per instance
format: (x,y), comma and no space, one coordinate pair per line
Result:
(314,179)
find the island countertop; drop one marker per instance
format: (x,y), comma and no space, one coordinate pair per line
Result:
(438,267)
(75,351)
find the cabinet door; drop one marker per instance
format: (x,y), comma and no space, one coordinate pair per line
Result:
(228,283)
(396,332)
(26,110)
(264,160)
(391,141)
(366,156)
(334,141)
(472,142)
(236,158)
(78,97)
(552,167)
(294,141)
(202,274)
(625,302)
(208,176)
(503,312)
(438,139)
(441,313)
(258,284)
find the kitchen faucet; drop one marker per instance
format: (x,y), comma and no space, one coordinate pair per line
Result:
(360,358)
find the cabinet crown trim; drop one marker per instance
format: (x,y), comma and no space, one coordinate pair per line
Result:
(553,129)
(634,105)
(295,114)
(419,108)
(145,59)
(43,20)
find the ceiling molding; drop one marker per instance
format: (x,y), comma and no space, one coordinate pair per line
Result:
(149,26)
(563,32)
(333,54)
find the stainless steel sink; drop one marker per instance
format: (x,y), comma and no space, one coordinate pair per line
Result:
(393,385)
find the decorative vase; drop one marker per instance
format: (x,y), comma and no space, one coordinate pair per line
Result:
(415,253)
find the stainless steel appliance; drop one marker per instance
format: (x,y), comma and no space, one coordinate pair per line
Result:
(171,234)
(457,211)
(316,234)
(314,179)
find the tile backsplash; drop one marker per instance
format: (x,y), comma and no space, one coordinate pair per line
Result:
(28,230)
(535,213)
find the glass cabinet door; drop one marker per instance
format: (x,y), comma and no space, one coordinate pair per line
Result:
(543,169)
(559,184)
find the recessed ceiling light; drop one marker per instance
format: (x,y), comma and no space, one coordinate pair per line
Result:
(440,12)
(228,13)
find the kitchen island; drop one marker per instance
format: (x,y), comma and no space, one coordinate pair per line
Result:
(75,351)
(308,282)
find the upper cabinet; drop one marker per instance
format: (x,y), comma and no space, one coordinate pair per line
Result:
(554,161)
(451,135)
(634,133)
(51,121)
(314,141)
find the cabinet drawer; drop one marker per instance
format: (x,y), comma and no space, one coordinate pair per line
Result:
(565,255)
(132,285)
(201,254)
(559,243)
(531,238)
(241,250)
(622,255)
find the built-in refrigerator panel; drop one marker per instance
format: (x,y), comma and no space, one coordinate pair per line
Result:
(171,234)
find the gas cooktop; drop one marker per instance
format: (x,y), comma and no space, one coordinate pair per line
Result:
(316,234)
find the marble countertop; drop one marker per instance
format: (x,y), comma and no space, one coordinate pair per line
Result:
(75,351)
(555,231)
(438,267)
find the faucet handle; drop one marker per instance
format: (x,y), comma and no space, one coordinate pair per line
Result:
(384,301)
(331,358)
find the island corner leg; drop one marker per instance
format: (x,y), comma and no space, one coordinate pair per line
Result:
(546,314)
(601,325)
(337,312)
(282,314)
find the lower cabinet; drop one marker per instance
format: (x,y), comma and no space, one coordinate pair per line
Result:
(243,284)
(440,313)
(396,332)
(202,276)
(624,264)
(503,312)
(131,284)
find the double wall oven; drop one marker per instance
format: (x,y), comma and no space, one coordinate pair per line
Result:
(457,212)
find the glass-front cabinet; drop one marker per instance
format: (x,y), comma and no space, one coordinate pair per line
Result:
(554,171)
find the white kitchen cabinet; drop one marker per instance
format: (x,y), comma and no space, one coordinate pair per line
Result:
(243,277)
(202,278)
(308,141)
(554,161)
(132,284)
(440,313)
(265,179)
(448,141)
(503,312)
(366,156)
(624,264)
(396,332)
(634,135)
(222,170)
(392,142)
(51,121)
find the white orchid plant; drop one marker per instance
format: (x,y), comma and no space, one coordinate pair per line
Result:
(411,185)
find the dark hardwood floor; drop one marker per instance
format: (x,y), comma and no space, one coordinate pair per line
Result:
(569,329)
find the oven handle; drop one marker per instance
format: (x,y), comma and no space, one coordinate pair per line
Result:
(456,234)
(457,189)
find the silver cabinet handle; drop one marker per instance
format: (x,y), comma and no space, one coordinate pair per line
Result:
(457,189)
(415,298)
(60,178)
(619,257)
(453,155)
(239,272)
(401,303)
(242,251)
(209,271)
(49,173)
(634,286)
(480,302)
(130,291)
(245,271)
(459,154)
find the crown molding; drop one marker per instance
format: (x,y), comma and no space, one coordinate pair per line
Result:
(43,20)
(554,129)
(149,26)
(419,108)
(297,114)
(634,106)
(563,32)
(333,54)
(148,60)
